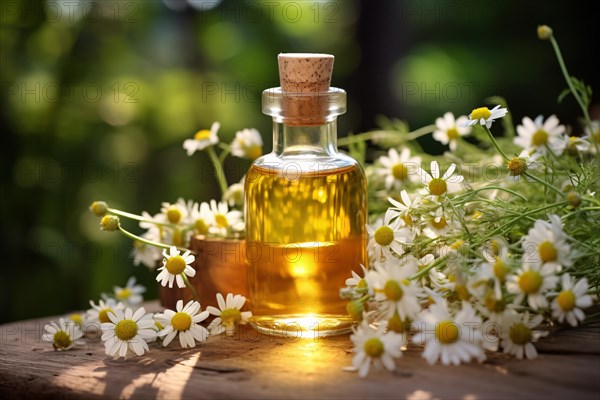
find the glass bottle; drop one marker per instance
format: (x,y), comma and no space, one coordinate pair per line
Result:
(305,208)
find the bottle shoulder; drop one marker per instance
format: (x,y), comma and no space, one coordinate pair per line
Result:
(306,162)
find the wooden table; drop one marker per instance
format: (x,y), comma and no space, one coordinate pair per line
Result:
(252,366)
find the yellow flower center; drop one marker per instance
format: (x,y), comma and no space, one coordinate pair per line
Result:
(457,245)
(181,321)
(395,324)
(253,152)
(99,208)
(62,340)
(362,284)
(175,265)
(103,315)
(547,251)
(109,223)
(201,226)
(174,214)
(126,329)
(400,172)
(452,134)
(574,199)
(407,220)
(374,347)
(539,138)
(231,315)
(520,333)
(438,186)
(493,304)
(203,134)
(462,291)
(494,247)
(447,332)
(530,281)
(566,300)
(517,166)
(221,220)
(123,294)
(77,318)
(392,290)
(441,224)
(384,235)
(482,112)
(500,269)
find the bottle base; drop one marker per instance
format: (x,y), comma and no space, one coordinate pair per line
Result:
(306,326)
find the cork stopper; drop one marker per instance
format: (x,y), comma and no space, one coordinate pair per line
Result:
(305,72)
(305,80)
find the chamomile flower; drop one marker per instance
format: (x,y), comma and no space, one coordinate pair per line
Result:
(131,294)
(393,288)
(202,139)
(517,334)
(570,300)
(403,208)
(391,235)
(184,323)
(399,168)
(575,145)
(440,225)
(448,183)
(592,135)
(455,340)
(202,218)
(225,220)
(100,312)
(537,135)
(175,213)
(79,318)
(234,195)
(532,281)
(63,335)
(485,116)
(228,314)
(373,346)
(356,280)
(247,144)
(174,265)
(448,129)
(492,273)
(521,163)
(546,243)
(127,331)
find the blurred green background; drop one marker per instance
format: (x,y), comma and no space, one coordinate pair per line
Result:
(97,98)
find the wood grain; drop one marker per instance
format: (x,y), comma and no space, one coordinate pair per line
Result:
(251,365)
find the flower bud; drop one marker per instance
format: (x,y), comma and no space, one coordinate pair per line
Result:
(100,208)
(356,308)
(109,223)
(574,199)
(544,32)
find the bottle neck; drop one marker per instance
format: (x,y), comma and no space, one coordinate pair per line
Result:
(318,140)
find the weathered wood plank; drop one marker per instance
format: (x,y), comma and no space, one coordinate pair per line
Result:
(252,365)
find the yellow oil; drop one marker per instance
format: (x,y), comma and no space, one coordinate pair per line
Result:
(305,233)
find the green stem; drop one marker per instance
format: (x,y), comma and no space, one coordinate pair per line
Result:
(191,287)
(425,270)
(138,218)
(567,77)
(495,144)
(473,191)
(543,182)
(218,169)
(460,219)
(537,210)
(226,151)
(150,242)
(373,134)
